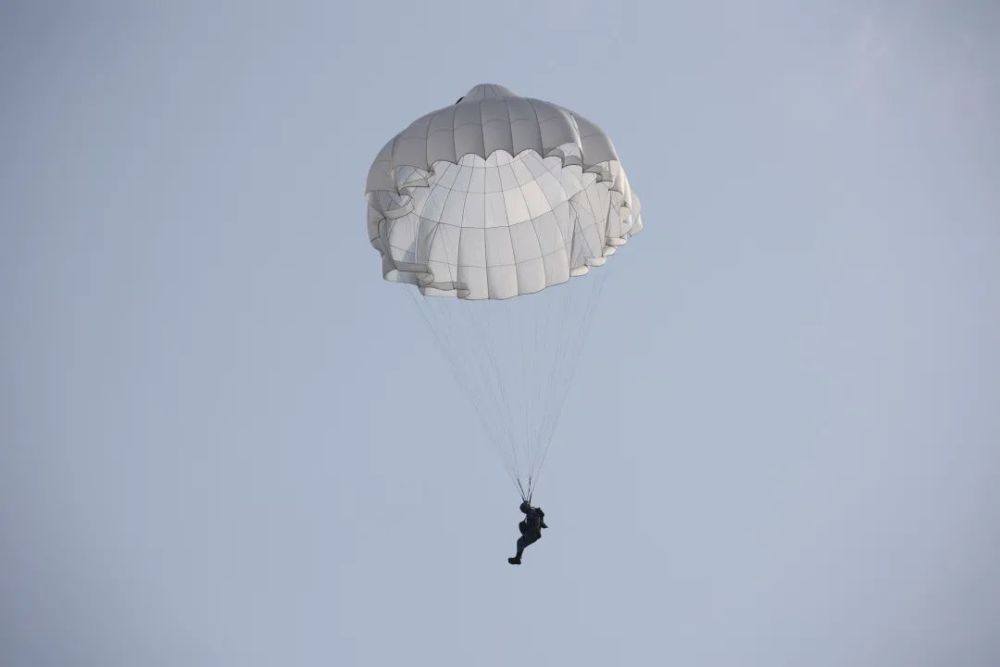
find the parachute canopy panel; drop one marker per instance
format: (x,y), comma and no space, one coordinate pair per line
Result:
(497,196)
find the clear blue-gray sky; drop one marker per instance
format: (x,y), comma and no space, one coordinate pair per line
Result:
(216,419)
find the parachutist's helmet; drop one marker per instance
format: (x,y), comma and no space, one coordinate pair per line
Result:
(525,507)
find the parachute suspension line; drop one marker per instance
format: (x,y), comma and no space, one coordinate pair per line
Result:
(591,304)
(525,497)
(442,325)
(568,371)
(539,396)
(526,403)
(497,376)
(494,379)
(501,309)
(547,389)
(515,360)
(556,388)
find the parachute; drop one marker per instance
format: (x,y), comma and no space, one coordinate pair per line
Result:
(488,207)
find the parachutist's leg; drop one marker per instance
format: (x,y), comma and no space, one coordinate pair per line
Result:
(521,544)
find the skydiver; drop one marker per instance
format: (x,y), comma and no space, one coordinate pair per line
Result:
(531,529)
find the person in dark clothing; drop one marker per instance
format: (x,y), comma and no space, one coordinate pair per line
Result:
(531,529)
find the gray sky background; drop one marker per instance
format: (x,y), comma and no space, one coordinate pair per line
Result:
(214,413)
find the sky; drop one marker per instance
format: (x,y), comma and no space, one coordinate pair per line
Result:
(215,423)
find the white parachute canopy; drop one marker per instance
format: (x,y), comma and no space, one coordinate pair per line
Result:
(481,205)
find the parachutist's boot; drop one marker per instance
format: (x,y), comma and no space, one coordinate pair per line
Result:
(514,560)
